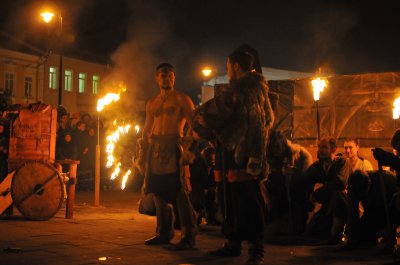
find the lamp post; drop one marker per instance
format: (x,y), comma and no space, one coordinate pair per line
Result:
(47,18)
(318,86)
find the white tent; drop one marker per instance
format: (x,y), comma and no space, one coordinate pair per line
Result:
(207,90)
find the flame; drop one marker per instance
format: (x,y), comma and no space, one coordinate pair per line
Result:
(116,171)
(318,86)
(109,98)
(125,178)
(137,129)
(112,140)
(396,109)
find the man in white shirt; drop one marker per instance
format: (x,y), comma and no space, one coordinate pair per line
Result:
(351,147)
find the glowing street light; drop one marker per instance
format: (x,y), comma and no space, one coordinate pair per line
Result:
(47,16)
(318,86)
(207,71)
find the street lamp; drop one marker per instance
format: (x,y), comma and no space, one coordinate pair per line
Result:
(47,18)
(318,86)
(207,71)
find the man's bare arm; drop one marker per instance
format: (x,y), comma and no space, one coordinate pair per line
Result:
(143,143)
(149,122)
(188,107)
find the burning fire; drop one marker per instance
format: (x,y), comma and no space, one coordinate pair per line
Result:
(125,178)
(112,141)
(396,108)
(109,98)
(318,86)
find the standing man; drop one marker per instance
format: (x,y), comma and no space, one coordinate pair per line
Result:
(351,147)
(237,120)
(161,159)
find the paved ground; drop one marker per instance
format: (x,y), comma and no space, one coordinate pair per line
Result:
(114,234)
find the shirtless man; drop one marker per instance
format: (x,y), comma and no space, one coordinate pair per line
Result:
(166,115)
(351,147)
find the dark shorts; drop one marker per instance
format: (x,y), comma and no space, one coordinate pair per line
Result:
(165,186)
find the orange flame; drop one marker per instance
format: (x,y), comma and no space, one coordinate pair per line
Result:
(125,179)
(318,86)
(109,98)
(396,108)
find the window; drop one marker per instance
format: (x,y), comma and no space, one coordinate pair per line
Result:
(68,80)
(28,87)
(9,82)
(82,82)
(95,84)
(52,77)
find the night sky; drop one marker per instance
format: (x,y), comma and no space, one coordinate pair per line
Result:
(343,37)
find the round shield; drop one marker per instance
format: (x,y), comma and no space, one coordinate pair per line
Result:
(37,190)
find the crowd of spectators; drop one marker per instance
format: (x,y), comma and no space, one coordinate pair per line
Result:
(76,140)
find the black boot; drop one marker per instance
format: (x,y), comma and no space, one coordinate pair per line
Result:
(228,249)
(256,253)
(337,230)
(156,240)
(185,243)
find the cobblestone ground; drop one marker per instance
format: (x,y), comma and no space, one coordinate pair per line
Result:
(114,233)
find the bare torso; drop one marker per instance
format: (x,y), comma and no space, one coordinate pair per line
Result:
(167,113)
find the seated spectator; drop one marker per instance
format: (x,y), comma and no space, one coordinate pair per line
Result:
(287,162)
(369,189)
(324,184)
(351,147)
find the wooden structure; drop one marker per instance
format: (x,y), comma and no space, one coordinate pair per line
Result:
(35,182)
(352,106)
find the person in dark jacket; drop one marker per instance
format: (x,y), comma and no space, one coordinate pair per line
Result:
(323,184)
(374,190)
(238,119)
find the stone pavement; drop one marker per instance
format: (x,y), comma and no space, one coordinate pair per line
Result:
(114,233)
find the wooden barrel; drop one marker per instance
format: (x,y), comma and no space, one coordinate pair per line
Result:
(37,190)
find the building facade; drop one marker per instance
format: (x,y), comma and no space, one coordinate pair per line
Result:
(27,78)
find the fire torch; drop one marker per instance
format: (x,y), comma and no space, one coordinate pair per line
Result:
(318,86)
(396,111)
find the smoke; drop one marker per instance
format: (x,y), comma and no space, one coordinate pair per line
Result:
(328,29)
(151,40)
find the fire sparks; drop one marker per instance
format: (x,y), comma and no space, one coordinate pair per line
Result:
(137,129)
(318,86)
(396,108)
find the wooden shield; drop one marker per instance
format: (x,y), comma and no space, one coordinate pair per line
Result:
(37,190)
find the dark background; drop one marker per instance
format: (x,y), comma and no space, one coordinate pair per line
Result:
(340,36)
